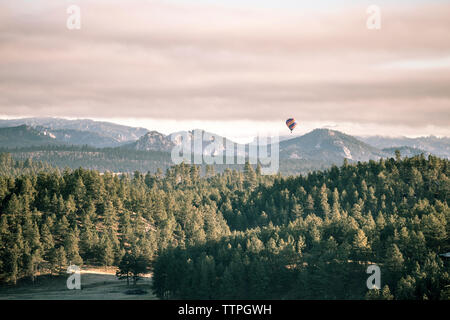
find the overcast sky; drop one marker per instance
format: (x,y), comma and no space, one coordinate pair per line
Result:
(231,67)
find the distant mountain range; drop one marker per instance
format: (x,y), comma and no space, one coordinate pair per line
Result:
(328,145)
(151,141)
(155,141)
(324,145)
(25,136)
(82,131)
(431,144)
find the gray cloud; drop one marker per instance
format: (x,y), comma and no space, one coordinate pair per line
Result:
(150,59)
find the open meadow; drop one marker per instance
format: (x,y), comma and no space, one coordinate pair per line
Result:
(96,284)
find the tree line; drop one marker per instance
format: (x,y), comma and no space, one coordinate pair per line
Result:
(121,160)
(313,237)
(237,234)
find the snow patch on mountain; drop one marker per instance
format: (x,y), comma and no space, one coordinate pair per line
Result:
(347,153)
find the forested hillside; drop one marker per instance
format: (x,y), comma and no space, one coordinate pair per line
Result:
(313,237)
(125,160)
(239,235)
(100,159)
(12,167)
(25,136)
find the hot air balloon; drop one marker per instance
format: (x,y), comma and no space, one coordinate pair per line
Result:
(291,124)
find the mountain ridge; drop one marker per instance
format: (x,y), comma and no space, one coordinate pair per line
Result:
(329,145)
(109,134)
(321,144)
(439,146)
(25,136)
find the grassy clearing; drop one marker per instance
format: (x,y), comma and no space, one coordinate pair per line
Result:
(96,284)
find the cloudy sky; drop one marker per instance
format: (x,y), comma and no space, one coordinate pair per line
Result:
(232,67)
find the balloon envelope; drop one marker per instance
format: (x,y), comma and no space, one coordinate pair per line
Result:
(291,124)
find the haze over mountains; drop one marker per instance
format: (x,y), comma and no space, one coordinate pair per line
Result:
(323,146)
